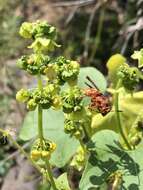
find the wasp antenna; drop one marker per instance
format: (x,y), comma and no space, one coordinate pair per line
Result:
(88,85)
(117,110)
(91,81)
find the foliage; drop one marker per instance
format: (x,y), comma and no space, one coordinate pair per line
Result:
(74,124)
(106,158)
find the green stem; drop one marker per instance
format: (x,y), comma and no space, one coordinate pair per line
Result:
(20,149)
(83,146)
(87,136)
(118,118)
(41,136)
(50,174)
(40,124)
(40,85)
(40,113)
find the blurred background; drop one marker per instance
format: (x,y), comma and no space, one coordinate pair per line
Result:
(90,31)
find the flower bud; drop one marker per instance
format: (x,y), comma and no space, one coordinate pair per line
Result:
(31,105)
(75,65)
(72,100)
(52,147)
(42,150)
(35,155)
(22,95)
(45,154)
(139,56)
(74,128)
(57,103)
(50,72)
(129,76)
(22,62)
(44,30)
(26,30)
(67,71)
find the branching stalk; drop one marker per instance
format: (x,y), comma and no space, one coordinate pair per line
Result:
(50,174)
(87,136)
(40,113)
(83,146)
(41,136)
(20,149)
(118,118)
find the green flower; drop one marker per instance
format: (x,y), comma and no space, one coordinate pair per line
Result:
(50,72)
(42,98)
(67,71)
(72,100)
(139,56)
(43,150)
(22,62)
(34,64)
(130,77)
(26,30)
(22,95)
(43,30)
(31,105)
(74,128)
(43,44)
(57,103)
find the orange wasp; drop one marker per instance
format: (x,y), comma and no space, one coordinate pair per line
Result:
(99,101)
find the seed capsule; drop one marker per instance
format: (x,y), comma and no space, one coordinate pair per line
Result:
(35,154)
(45,154)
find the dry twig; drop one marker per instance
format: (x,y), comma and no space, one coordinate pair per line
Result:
(71,15)
(88,29)
(78,3)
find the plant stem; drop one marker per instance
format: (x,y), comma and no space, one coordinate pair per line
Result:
(20,149)
(83,146)
(41,136)
(117,113)
(40,113)
(40,85)
(87,136)
(40,124)
(50,174)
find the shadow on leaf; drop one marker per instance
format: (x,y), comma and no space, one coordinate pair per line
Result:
(113,158)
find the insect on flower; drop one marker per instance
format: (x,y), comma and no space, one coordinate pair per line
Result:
(99,101)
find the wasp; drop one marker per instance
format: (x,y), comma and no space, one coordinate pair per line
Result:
(99,102)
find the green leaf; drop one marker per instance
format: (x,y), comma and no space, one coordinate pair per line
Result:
(95,75)
(129,107)
(62,182)
(108,157)
(53,123)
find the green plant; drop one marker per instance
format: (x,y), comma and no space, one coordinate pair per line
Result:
(76,125)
